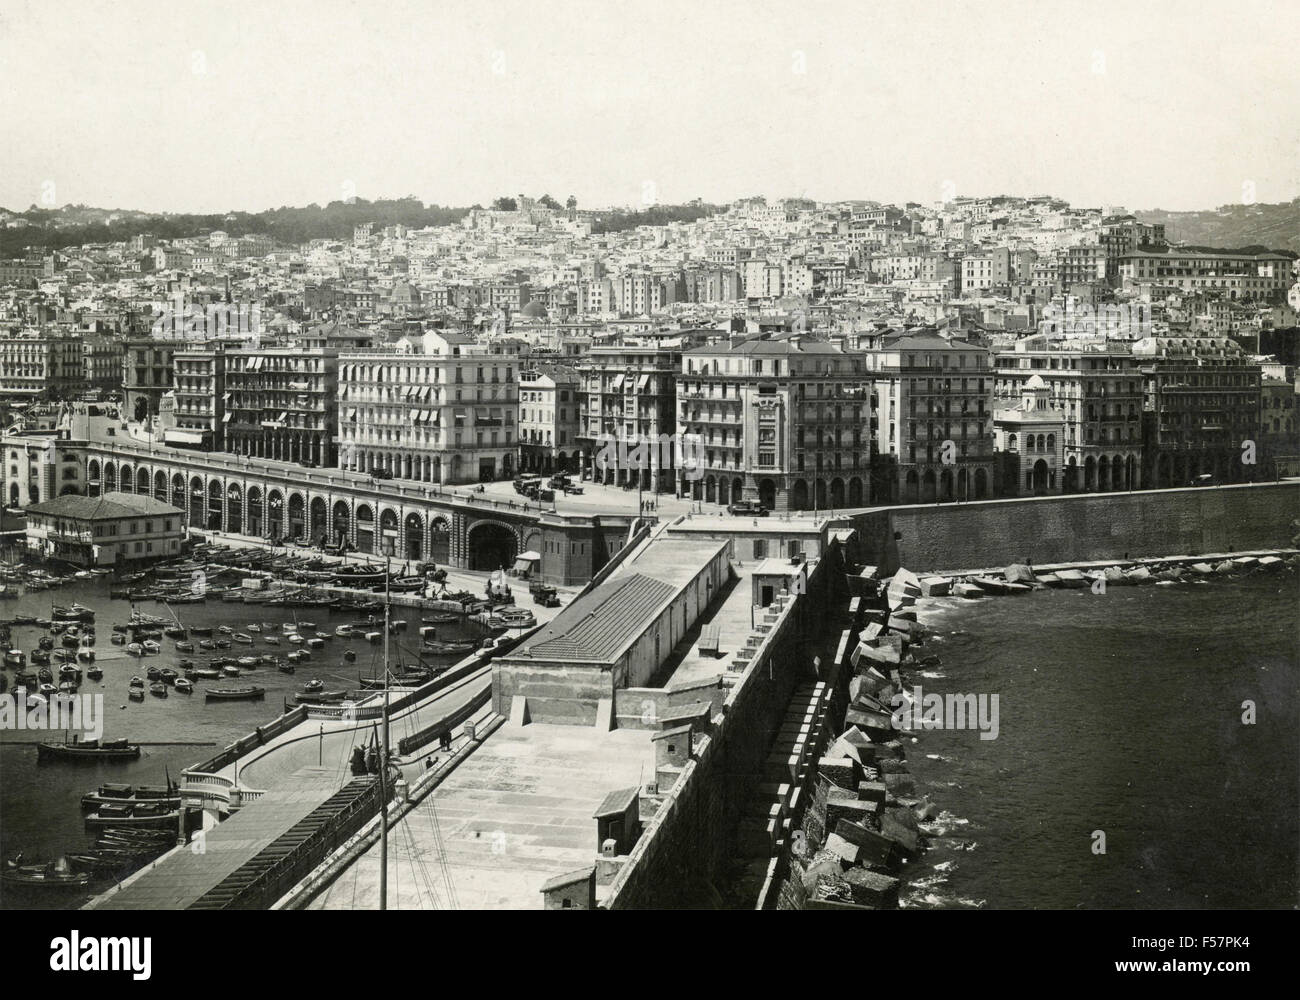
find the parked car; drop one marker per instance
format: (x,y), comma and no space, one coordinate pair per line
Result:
(747,508)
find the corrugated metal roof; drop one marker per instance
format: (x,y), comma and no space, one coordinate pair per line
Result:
(598,627)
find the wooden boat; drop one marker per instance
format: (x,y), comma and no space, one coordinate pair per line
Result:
(158,689)
(154,673)
(175,632)
(184,685)
(316,643)
(285,668)
(110,793)
(230,670)
(441,620)
(253,627)
(244,638)
(86,654)
(135,649)
(118,639)
(16,658)
(89,750)
(43,877)
(150,819)
(201,630)
(40,657)
(208,673)
(314,685)
(151,647)
(167,675)
(249,693)
(136,694)
(441,648)
(320,697)
(185,647)
(272,640)
(95,673)
(350,655)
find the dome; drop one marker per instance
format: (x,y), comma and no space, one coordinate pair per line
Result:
(1036,382)
(534,310)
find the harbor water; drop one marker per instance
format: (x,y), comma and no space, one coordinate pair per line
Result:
(40,802)
(1120,713)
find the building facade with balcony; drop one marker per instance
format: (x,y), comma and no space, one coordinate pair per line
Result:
(548,418)
(33,363)
(1098,388)
(932,419)
(281,403)
(436,409)
(781,421)
(1201,410)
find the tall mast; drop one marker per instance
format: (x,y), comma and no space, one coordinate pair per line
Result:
(383,757)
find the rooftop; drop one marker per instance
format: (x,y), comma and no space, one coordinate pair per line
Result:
(110,506)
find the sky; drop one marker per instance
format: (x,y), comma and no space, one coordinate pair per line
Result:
(212,107)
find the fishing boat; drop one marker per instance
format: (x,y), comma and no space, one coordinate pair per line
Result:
(249,693)
(320,697)
(16,658)
(374,638)
(350,655)
(158,689)
(154,673)
(208,673)
(88,655)
(272,640)
(95,673)
(201,630)
(176,632)
(167,675)
(285,668)
(46,876)
(323,636)
(40,657)
(441,648)
(184,685)
(314,685)
(207,644)
(345,631)
(88,750)
(136,694)
(225,630)
(135,649)
(244,638)
(230,670)
(185,647)
(441,619)
(253,627)
(133,816)
(118,639)
(295,639)
(45,642)
(248,662)
(315,643)
(222,643)
(130,793)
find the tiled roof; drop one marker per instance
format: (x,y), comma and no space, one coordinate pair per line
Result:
(107,507)
(599,626)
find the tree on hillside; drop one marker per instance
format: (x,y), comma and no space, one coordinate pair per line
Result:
(546,201)
(505,204)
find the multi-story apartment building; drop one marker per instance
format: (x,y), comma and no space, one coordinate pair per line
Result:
(101,363)
(1279,432)
(437,409)
(38,466)
(932,419)
(548,418)
(782,421)
(629,394)
(1262,277)
(146,376)
(1201,410)
(32,364)
(200,393)
(985,270)
(1097,387)
(110,530)
(281,403)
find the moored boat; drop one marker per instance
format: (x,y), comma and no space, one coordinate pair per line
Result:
(88,750)
(249,693)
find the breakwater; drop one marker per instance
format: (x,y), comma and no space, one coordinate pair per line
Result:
(1080,528)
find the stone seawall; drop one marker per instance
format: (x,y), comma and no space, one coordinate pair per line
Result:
(931,538)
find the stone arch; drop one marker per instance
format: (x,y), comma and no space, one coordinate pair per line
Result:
(274,515)
(490,545)
(317,520)
(388,532)
(1119,473)
(342,522)
(235,509)
(125,479)
(820,496)
(981,484)
(439,540)
(15,497)
(855,492)
(365,528)
(1103,473)
(142,482)
(253,520)
(178,492)
(929,488)
(160,485)
(216,502)
(737,489)
(838,493)
(799,495)
(963,484)
(767,493)
(1090,473)
(297,515)
(413,537)
(945,484)
(93,480)
(1038,478)
(912,487)
(197,496)
(710,489)
(110,477)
